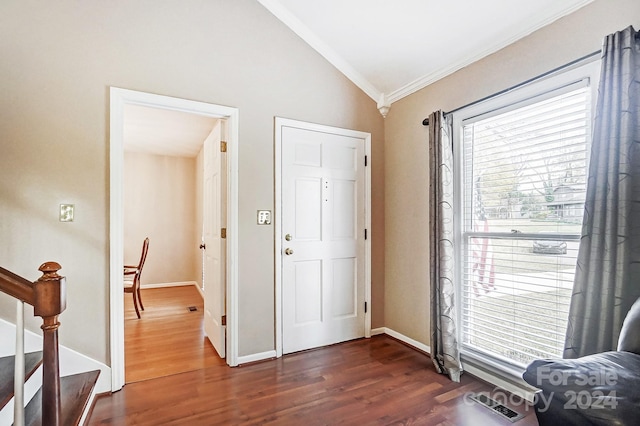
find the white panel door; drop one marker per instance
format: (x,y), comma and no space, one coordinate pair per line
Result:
(214,274)
(323,206)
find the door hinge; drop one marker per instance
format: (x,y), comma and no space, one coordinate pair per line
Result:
(365,160)
(223,146)
(223,232)
(365,234)
(224,320)
(365,307)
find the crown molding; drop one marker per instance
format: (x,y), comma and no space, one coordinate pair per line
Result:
(385,100)
(383,105)
(312,40)
(426,80)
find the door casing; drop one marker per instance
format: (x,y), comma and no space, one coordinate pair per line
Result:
(118,99)
(279,124)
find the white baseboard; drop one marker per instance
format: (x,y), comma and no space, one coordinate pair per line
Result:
(173,284)
(71,362)
(499,382)
(256,357)
(200,290)
(402,338)
(474,371)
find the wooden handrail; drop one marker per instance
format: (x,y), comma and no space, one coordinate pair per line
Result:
(47,295)
(16,286)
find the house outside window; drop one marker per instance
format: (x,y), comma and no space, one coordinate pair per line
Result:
(521,175)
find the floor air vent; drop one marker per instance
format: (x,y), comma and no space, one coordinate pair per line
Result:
(497,408)
(192,308)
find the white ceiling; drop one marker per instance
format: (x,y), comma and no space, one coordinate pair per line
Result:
(165,132)
(391,49)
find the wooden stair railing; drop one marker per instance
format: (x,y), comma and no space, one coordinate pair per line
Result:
(47,295)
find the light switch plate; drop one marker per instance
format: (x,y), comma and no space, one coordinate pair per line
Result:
(66,212)
(264,217)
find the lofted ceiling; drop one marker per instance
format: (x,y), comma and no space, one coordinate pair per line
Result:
(391,49)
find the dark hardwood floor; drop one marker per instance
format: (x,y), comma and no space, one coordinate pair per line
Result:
(377,381)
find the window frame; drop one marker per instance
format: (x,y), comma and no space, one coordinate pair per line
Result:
(585,73)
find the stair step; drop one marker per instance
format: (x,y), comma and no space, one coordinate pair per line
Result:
(75,391)
(32,361)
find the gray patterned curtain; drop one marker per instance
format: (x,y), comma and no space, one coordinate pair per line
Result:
(607,280)
(444,344)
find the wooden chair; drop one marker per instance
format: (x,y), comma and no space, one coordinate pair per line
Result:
(133,285)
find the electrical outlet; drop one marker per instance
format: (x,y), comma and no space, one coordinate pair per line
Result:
(264,217)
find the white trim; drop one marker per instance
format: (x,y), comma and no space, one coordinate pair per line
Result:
(245,359)
(233,155)
(424,81)
(116,238)
(277,128)
(71,361)
(377,331)
(486,367)
(166,285)
(200,291)
(295,25)
(481,374)
(383,105)
(118,99)
(407,340)
(498,381)
(279,124)
(369,240)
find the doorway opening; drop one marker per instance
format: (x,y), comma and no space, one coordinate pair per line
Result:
(121,99)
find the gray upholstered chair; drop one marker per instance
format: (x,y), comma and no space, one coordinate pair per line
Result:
(599,389)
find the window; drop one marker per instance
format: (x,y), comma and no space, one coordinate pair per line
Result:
(521,178)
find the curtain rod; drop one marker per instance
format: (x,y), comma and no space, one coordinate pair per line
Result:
(425,122)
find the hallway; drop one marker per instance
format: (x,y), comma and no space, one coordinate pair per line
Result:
(169,338)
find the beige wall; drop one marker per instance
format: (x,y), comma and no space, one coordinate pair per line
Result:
(160,203)
(59,60)
(406,149)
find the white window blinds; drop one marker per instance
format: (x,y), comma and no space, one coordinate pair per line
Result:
(524,181)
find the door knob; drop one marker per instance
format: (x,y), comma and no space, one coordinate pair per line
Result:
(288,251)
(287,237)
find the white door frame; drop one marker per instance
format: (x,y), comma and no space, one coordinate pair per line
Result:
(118,99)
(285,122)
